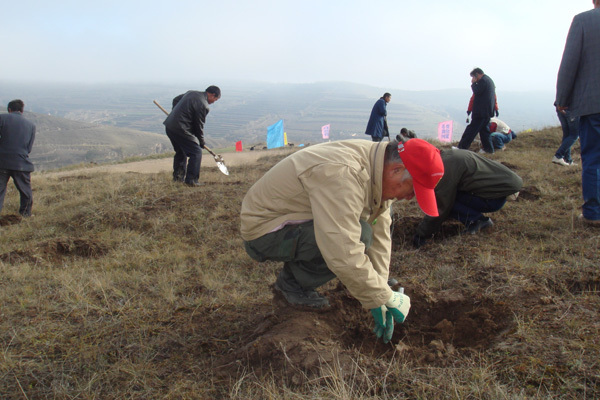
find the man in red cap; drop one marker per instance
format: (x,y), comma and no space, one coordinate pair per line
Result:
(324,212)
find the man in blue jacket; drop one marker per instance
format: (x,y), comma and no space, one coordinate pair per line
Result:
(578,91)
(16,140)
(377,126)
(484,100)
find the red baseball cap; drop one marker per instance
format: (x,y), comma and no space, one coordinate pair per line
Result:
(424,164)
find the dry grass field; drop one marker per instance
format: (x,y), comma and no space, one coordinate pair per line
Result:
(129,286)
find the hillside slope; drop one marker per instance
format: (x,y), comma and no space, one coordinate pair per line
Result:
(131,286)
(61,142)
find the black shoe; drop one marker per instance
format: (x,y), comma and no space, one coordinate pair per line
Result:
(179,175)
(479,225)
(295,294)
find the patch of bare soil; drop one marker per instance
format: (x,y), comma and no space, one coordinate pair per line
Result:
(55,250)
(18,257)
(405,228)
(301,344)
(78,247)
(530,193)
(10,219)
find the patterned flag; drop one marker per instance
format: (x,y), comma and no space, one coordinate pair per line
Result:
(445,131)
(325,131)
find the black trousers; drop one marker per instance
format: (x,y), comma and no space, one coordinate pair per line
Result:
(22,181)
(187,159)
(477,125)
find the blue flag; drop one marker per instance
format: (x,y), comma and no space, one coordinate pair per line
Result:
(275,135)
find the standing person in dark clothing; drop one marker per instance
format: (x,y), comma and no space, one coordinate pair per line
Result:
(377,126)
(578,91)
(16,141)
(185,129)
(484,101)
(471,185)
(570,130)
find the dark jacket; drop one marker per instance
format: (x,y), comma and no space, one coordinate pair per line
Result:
(188,116)
(16,141)
(484,97)
(468,172)
(377,125)
(578,84)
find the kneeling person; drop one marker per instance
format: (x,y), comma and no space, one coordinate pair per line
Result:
(324,212)
(472,185)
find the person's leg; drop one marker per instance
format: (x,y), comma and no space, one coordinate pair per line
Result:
(570,129)
(376,139)
(469,208)
(304,269)
(470,132)
(497,140)
(193,152)
(589,134)
(179,160)
(484,136)
(4,176)
(22,180)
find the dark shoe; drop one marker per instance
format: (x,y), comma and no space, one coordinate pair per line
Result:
(295,294)
(194,184)
(179,175)
(479,225)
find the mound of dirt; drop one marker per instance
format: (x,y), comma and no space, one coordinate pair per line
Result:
(306,343)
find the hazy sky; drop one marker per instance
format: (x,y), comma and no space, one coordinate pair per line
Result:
(396,44)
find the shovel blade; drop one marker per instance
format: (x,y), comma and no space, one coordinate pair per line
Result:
(222,167)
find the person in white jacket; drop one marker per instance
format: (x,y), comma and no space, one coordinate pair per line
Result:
(324,212)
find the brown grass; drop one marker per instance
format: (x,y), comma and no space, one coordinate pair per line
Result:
(131,286)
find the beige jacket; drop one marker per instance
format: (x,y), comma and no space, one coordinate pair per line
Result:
(336,185)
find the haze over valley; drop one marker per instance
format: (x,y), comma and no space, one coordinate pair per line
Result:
(106,122)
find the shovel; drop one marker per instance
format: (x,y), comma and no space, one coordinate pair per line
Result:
(218,158)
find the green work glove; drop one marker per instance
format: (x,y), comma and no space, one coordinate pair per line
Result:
(395,309)
(384,323)
(398,305)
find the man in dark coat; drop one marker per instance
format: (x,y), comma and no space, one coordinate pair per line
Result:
(578,91)
(377,126)
(471,185)
(16,141)
(484,100)
(185,129)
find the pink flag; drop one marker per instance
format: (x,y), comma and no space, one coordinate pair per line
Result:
(445,131)
(238,145)
(325,131)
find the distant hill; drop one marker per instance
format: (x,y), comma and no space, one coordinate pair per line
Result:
(247,108)
(60,142)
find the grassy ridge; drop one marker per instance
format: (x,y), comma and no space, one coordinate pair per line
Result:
(132,286)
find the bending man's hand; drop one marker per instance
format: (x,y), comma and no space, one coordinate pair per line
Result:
(394,310)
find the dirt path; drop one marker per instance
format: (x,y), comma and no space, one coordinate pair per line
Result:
(166,164)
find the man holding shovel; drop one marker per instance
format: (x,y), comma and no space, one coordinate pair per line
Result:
(185,129)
